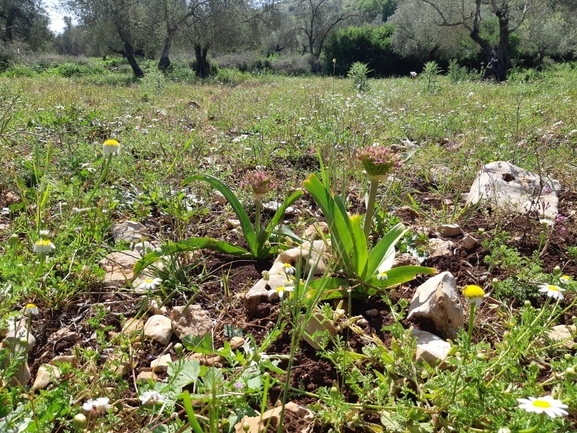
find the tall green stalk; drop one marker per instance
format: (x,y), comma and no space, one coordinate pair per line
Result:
(370,207)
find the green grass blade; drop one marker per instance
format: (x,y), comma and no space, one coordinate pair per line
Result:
(281,210)
(187,403)
(245,223)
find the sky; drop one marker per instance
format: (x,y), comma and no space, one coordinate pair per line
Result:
(56,21)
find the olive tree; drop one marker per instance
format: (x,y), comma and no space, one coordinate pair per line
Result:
(25,21)
(217,24)
(470,15)
(119,24)
(416,35)
(550,29)
(317,19)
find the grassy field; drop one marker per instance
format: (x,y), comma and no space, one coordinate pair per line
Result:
(58,189)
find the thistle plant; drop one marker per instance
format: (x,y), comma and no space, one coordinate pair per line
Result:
(378,161)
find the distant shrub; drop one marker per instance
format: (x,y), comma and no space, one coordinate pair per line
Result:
(231,76)
(368,45)
(457,73)
(77,70)
(19,71)
(181,72)
(293,65)
(359,72)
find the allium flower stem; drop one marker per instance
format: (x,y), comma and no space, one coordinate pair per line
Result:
(257,215)
(371,207)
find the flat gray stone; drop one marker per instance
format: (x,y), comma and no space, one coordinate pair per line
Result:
(118,267)
(18,336)
(129,231)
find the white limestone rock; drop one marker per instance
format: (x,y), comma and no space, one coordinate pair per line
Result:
(190,320)
(46,374)
(430,348)
(129,231)
(118,267)
(438,300)
(160,365)
(440,247)
(19,337)
(449,230)
(311,255)
(159,329)
(505,186)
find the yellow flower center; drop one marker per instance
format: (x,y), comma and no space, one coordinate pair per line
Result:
(30,306)
(542,404)
(43,242)
(149,280)
(111,142)
(472,291)
(553,288)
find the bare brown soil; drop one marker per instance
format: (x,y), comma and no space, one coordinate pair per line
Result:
(60,331)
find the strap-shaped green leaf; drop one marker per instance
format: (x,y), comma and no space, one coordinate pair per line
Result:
(380,251)
(245,224)
(191,244)
(337,219)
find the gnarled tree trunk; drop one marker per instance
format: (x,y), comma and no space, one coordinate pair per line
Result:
(138,72)
(202,66)
(164,61)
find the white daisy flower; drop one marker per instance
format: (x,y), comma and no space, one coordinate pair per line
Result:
(382,276)
(150,283)
(552,291)
(288,269)
(150,398)
(282,289)
(565,279)
(474,294)
(31,310)
(546,404)
(43,246)
(111,147)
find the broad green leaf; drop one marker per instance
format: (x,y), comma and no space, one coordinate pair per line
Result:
(183,372)
(191,244)
(337,219)
(245,223)
(199,344)
(384,251)
(400,275)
